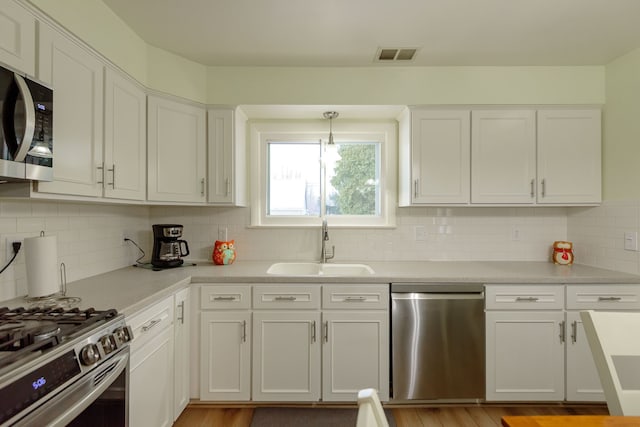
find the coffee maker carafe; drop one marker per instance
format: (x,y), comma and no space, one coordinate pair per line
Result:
(168,249)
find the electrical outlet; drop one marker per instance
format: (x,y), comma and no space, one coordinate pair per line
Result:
(9,246)
(515,233)
(222,233)
(420,233)
(631,241)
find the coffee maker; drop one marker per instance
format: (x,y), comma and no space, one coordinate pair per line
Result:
(167,246)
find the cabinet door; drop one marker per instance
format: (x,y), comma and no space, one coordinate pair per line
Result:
(583,381)
(181,368)
(176,150)
(503,152)
(525,355)
(77,80)
(125,138)
(569,156)
(227,157)
(440,156)
(225,359)
(286,357)
(17,37)
(151,379)
(355,354)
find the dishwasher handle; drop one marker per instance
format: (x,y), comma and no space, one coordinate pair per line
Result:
(436,296)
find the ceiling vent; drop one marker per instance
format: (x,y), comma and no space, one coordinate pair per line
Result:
(392,54)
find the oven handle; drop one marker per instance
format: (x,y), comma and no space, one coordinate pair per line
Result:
(67,405)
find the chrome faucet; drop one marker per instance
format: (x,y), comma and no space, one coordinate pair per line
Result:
(325,238)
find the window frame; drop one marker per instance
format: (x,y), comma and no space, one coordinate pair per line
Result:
(383,131)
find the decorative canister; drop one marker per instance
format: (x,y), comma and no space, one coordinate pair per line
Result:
(562,253)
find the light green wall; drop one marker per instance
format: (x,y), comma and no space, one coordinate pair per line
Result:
(406,85)
(621,127)
(95,23)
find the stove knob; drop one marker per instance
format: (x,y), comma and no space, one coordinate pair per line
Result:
(89,354)
(108,344)
(123,334)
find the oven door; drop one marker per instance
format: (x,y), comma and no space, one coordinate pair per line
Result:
(100,398)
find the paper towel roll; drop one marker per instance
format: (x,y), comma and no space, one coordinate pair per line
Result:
(41,261)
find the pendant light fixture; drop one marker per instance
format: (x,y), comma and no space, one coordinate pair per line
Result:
(330,115)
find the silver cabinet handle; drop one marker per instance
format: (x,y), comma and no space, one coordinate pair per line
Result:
(544,187)
(202,187)
(181,317)
(227,186)
(101,171)
(609,298)
(280,298)
(224,298)
(244,331)
(527,299)
(30,118)
(113,176)
(326,331)
(313,331)
(532,188)
(562,331)
(150,325)
(355,299)
(574,331)
(415,188)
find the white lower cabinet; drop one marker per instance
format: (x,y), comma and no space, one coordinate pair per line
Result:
(293,342)
(151,367)
(181,337)
(225,370)
(286,356)
(525,355)
(536,345)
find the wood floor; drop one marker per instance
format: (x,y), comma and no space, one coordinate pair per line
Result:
(440,416)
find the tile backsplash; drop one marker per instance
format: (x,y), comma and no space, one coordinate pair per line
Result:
(90,236)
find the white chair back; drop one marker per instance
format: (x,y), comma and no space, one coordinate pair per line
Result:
(370,412)
(614,339)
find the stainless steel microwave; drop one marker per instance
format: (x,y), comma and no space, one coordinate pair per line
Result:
(26,129)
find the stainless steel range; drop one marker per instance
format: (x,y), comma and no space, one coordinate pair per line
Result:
(63,367)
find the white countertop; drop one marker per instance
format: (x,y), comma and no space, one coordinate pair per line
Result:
(133,288)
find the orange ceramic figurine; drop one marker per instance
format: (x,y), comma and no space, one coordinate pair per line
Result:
(224,252)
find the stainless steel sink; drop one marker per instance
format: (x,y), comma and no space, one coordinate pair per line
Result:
(317,269)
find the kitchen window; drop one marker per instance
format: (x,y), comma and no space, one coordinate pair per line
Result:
(297,177)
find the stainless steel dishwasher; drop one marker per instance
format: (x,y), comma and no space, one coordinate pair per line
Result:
(438,341)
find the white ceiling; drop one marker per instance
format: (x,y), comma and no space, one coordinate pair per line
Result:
(349,32)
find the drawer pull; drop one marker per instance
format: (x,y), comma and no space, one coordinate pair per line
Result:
(181,317)
(609,298)
(563,332)
(326,331)
(150,325)
(355,299)
(313,331)
(224,299)
(574,331)
(527,299)
(279,298)
(244,331)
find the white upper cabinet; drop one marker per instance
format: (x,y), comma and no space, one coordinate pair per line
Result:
(434,156)
(76,77)
(503,150)
(227,157)
(176,151)
(125,138)
(569,156)
(17,37)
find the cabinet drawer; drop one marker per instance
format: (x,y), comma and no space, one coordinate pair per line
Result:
(524,297)
(353,297)
(605,297)
(225,297)
(294,296)
(150,322)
